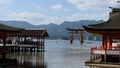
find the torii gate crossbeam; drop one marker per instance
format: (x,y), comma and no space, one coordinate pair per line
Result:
(76,31)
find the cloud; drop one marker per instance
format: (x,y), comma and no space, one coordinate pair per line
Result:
(33,18)
(37,18)
(97,5)
(87,16)
(57,7)
(96,10)
(113,3)
(5,1)
(38,7)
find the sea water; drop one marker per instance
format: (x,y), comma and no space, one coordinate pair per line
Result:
(57,54)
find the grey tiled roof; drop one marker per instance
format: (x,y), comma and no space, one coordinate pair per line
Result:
(113,23)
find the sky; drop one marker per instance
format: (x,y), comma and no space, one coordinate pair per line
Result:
(39,12)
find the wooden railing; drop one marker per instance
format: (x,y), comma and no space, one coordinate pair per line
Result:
(96,52)
(99,50)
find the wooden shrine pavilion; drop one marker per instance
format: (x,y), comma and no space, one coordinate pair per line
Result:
(4,31)
(75,31)
(16,38)
(110,31)
(28,36)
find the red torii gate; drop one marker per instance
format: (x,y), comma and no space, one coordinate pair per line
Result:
(76,31)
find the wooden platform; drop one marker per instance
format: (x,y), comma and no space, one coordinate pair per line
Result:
(21,48)
(104,64)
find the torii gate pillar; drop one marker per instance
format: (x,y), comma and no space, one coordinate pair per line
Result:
(76,31)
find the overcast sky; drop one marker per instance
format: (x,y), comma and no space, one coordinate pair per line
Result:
(54,11)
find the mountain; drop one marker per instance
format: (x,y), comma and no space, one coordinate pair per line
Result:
(60,30)
(54,30)
(20,24)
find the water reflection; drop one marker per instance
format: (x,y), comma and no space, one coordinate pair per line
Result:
(27,60)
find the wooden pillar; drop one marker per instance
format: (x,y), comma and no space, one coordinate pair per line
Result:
(91,54)
(105,55)
(43,40)
(25,40)
(105,47)
(71,38)
(43,44)
(39,40)
(21,39)
(81,38)
(110,43)
(4,46)
(18,39)
(104,41)
(32,40)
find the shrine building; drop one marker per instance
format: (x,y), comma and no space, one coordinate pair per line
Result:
(110,32)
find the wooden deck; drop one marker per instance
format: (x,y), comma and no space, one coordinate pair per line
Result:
(19,48)
(104,64)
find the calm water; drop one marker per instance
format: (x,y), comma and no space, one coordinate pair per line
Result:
(58,54)
(61,54)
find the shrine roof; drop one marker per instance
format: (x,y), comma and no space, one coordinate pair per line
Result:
(113,23)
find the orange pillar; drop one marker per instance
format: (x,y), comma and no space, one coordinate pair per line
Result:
(105,46)
(71,38)
(104,41)
(110,43)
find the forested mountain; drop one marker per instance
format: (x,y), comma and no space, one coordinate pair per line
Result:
(54,30)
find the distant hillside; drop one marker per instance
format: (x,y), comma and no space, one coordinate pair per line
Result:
(54,30)
(21,24)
